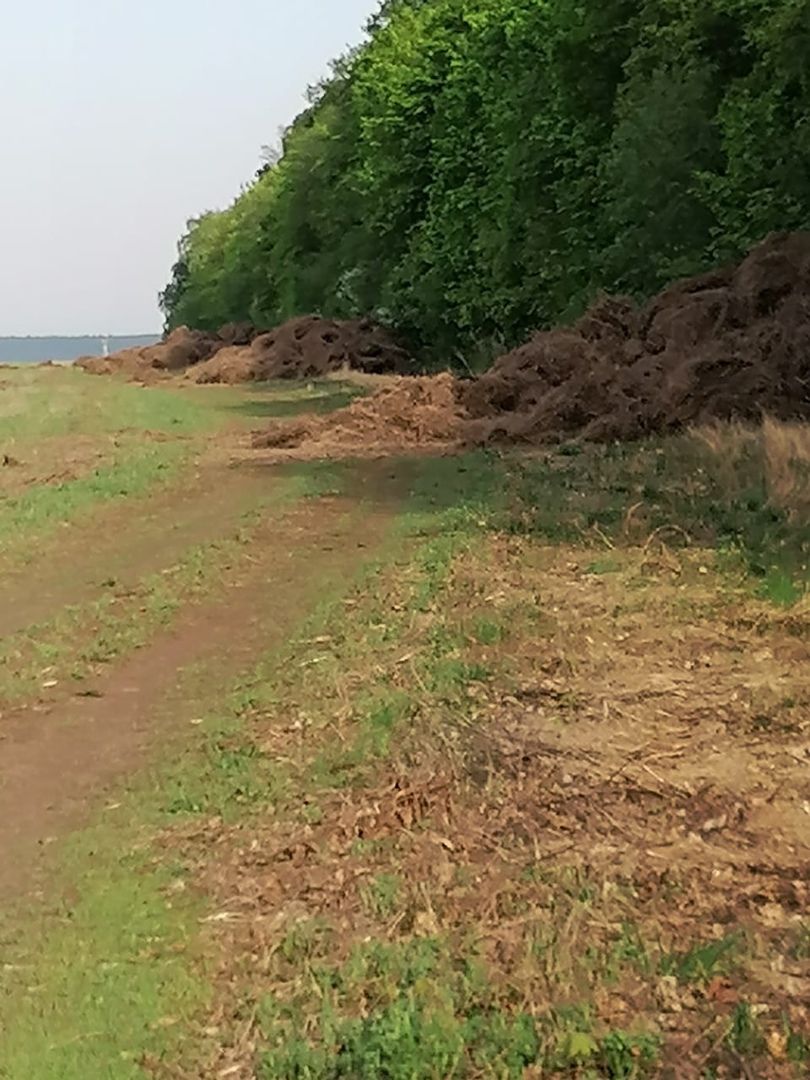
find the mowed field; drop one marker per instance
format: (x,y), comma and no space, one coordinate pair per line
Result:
(484,765)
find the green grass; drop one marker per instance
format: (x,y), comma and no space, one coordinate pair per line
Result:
(278,401)
(62,401)
(233,774)
(115,976)
(428,1005)
(426,1015)
(110,978)
(95,988)
(671,489)
(383,894)
(136,468)
(701,962)
(488,631)
(799,948)
(745,1037)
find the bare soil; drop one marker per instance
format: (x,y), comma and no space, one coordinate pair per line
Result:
(53,461)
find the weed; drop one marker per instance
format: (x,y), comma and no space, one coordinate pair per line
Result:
(434,562)
(745,1036)
(488,632)
(799,947)
(699,963)
(779,587)
(311,814)
(231,774)
(335,766)
(479,356)
(603,566)
(422,1022)
(302,941)
(576,1048)
(623,1056)
(384,970)
(629,950)
(448,676)
(797,1046)
(383,894)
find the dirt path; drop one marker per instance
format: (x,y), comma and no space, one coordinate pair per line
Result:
(58,759)
(130,540)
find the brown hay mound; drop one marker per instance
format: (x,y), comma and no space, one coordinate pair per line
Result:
(308,347)
(305,348)
(730,344)
(422,412)
(734,343)
(136,365)
(228,366)
(182,348)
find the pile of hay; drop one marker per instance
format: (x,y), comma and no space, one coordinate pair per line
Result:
(734,343)
(307,348)
(407,414)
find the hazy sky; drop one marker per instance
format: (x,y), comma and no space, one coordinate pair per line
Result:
(118,121)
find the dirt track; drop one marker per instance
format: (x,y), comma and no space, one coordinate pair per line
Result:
(158,529)
(60,755)
(99,684)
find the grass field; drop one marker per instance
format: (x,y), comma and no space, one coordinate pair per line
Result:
(493,765)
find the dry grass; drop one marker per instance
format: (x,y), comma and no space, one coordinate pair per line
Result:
(581,842)
(730,444)
(417,414)
(787,465)
(779,449)
(364,379)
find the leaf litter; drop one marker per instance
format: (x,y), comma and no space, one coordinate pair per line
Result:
(603,826)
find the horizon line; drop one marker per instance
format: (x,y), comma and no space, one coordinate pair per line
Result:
(44,337)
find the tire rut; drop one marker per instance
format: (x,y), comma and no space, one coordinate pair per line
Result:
(57,760)
(127,542)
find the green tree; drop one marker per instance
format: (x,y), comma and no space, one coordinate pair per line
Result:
(479,168)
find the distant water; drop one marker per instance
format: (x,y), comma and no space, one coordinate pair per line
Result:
(32,350)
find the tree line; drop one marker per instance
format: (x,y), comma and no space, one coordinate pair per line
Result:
(480,168)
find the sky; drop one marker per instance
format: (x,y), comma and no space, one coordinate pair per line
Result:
(121,120)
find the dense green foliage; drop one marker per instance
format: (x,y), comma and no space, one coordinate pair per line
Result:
(481,167)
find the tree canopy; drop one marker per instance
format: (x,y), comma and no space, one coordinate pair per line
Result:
(480,168)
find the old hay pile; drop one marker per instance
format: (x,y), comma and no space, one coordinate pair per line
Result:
(308,347)
(731,344)
(407,414)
